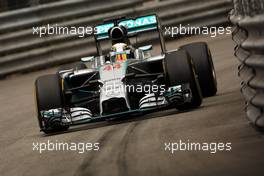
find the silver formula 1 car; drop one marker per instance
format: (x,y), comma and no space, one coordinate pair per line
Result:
(129,76)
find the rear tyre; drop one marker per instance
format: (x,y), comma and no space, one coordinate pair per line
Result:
(179,69)
(203,62)
(48,96)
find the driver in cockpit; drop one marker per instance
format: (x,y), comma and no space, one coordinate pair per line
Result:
(121,48)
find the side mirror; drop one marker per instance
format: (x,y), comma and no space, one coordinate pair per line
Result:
(145,48)
(144,52)
(87,59)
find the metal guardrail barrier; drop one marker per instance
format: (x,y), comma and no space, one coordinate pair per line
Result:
(248,17)
(21,51)
(8,5)
(58,11)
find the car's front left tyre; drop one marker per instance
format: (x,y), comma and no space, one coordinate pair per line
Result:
(179,69)
(204,66)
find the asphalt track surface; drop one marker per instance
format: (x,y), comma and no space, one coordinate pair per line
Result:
(136,146)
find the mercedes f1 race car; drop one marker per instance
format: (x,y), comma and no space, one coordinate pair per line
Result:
(129,75)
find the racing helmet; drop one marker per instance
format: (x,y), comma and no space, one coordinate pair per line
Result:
(118,52)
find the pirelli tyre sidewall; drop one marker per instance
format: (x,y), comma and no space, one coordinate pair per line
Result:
(203,62)
(179,69)
(48,96)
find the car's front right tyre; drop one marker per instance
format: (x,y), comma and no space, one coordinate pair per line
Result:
(48,96)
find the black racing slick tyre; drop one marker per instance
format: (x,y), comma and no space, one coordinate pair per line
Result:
(48,96)
(203,62)
(179,70)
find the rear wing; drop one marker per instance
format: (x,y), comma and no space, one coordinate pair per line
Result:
(136,25)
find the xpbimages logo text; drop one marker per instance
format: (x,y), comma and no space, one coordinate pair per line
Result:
(79,147)
(187,145)
(171,31)
(212,31)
